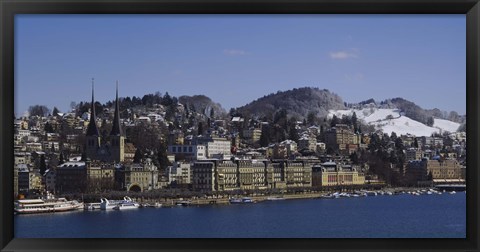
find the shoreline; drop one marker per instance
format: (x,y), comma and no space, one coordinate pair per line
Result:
(224,200)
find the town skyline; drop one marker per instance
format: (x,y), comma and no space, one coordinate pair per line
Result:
(223,56)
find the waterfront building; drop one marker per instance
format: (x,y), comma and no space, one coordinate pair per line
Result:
(225,175)
(71,177)
(50,180)
(445,171)
(137,176)
(203,175)
(333,174)
(100,176)
(276,176)
(251,175)
(179,173)
(437,170)
(298,174)
(23,178)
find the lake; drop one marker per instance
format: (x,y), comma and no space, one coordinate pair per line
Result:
(397,216)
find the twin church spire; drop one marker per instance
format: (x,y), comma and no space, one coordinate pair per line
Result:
(92,129)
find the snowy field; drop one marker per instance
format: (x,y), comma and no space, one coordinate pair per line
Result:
(400,124)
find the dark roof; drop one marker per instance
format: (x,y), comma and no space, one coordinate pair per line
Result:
(116,127)
(92,129)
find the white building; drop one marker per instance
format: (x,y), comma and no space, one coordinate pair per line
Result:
(179,173)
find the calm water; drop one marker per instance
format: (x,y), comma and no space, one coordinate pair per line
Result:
(425,216)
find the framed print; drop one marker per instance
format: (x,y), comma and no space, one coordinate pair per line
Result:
(204,125)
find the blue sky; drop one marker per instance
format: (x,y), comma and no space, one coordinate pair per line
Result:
(237,59)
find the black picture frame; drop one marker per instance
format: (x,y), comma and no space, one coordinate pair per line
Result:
(9,8)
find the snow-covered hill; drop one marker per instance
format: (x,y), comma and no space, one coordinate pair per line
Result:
(391,120)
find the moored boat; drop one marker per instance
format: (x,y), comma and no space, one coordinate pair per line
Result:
(126,203)
(235,201)
(183,203)
(27,206)
(240,200)
(91,206)
(275,198)
(106,204)
(247,200)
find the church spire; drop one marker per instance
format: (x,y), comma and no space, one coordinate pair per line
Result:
(92,129)
(116,128)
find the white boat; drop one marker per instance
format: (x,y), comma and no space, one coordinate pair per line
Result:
(27,206)
(126,203)
(240,200)
(106,204)
(155,205)
(275,198)
(452,192)
(183,203)
(91,206)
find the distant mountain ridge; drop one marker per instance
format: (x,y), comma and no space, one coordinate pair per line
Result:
(202,103)
(298,102)
(405,116)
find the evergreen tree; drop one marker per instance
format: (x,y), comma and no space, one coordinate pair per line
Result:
(212,113)
(292,133)
(430,121)
(43,165)
(393,136)
(311,118)
(55,111)
(265,136)
(354,119)
(62,159)
(48,128)
(334,121)
(200,128)
(137,158)
(354,158)
(162,156)
(84,156)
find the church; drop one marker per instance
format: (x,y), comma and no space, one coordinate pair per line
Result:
(96,148)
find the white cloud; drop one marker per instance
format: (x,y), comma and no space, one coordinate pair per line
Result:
(340,55)
(234,52)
